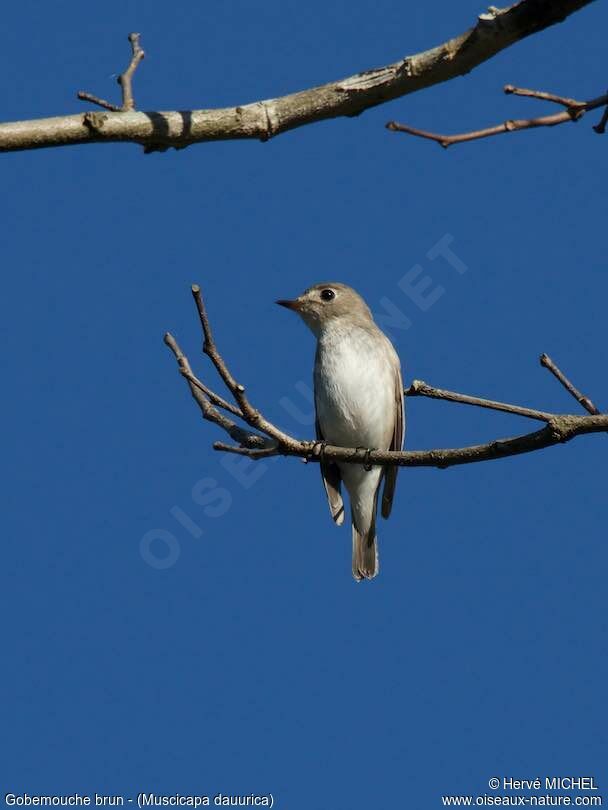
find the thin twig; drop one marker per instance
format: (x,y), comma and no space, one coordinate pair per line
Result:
(542,95)
(420,388)
(548,363)
(107,105)
(573,112)
(250,414)
(209,347)
(208,412)
(263,452)
(125,80)
(216,399)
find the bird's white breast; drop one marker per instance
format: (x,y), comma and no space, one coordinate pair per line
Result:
(355,387)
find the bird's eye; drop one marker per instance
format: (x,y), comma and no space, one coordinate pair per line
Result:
(328,295)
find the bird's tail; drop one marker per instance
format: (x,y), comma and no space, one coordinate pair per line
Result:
(365,552)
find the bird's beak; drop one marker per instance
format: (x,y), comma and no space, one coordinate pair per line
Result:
(294,304)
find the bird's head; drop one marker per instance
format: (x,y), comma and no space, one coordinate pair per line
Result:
(322,304)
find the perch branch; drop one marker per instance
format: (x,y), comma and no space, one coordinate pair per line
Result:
(493,32)
(268,440)
(125,80)
(573,112)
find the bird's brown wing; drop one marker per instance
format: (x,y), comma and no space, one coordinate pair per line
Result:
(332,483)
(390,473)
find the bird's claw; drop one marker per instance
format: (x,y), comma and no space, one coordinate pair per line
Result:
(318,449)
(367,465)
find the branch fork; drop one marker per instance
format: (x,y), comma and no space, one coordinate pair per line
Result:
(573,111)
(125,80)
(261,438)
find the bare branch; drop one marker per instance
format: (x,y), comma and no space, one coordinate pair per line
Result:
(574,111)
(252,416)
(493,32)
(559,428)
(264,452)
(251,440)
(568,103)
(548,363)
(125,80)
(214,398)
(421,389)
(101,102)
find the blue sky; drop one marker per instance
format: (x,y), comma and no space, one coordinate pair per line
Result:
(253,663)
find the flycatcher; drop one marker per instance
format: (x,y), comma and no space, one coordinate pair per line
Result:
(359,403)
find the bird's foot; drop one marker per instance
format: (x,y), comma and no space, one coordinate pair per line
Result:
(317,450)
(367,465)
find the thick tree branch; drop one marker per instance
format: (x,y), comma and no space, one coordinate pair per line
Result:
(493,32)
(574,111)
(268,440)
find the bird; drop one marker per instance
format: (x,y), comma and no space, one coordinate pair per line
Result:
(358,403)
